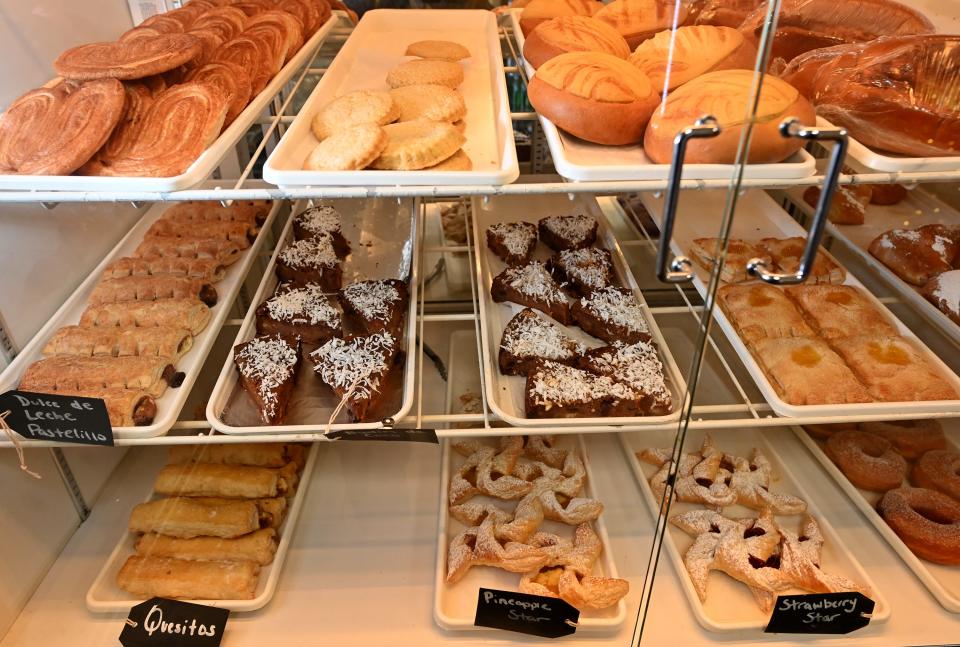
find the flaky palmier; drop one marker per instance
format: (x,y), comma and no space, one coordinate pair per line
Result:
(127,60)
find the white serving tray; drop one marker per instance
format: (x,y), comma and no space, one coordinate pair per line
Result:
(204,165)
(892,162)
(373,49)
(455,605)
(918,208)
(942,581)
(104,596)
(758,216)
(730,605)
(408,238)
(582,161)
(173,399)
(505,393)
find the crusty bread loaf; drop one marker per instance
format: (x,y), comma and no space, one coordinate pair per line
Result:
(538,11)
(573,34)
(597,97)
(638,20)
(696,51)
(727,96)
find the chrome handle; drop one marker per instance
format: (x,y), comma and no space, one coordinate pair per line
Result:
(680,269)
(792,128)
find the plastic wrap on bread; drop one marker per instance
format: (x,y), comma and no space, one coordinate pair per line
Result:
(722,13)
(898,94)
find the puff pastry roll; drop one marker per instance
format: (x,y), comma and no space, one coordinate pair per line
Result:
(761,311)
(229,481)
(238,232)
(126,408)
(804,370)
(252,212)
(166,577)
(259,546)
(63,372)
(786,253)
(272,510)
(171,343)
(152,288)
(256,454)
(204,269)
(840,311)
(185,518)
(191,314)
(223,251)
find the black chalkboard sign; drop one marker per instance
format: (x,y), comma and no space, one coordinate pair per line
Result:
(396,435)
(160,622)
(820,613)
(528,614)
(61,418)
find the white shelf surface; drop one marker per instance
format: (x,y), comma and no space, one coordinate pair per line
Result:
(360,569)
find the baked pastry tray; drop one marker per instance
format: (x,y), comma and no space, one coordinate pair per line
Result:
(191,364)
(758,216)
(730,605)
(918,208)
(582,161)
(384,244)
(455,605)
(942,581)
(104,596)
(204,165)
(892,162)
(505,393)
(373,49)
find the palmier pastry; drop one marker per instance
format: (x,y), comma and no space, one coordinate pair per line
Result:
(172,343)
(943,291)
(870,462)
(127,60)
(572,34)
(938,469)
(307,12)
(918,255)
(227,21)
(232,79)
(912,438)
(255,55)
(139,98)
(273,23)
(927,521)
(53,131)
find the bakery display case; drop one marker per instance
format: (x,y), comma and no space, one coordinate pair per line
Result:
(309,317)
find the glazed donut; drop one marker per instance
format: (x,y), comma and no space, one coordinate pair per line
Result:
(870,462)
(927,521)
(912,438)
(938,470)
(825,431)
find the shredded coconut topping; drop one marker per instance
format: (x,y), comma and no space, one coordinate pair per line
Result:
(561,384)
(616,306)
(575,229)
(306,305)
(947,290)
(268,362)
(320,220)
(517,237)
(636,364)
(529,335)
(372,299)
(589,265)
(340,362)
(310,253)
(534,281)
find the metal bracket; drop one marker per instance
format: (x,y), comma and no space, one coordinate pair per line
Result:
(70,481)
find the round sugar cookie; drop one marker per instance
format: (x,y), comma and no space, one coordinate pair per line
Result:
(354,108)
(429,101)
(420,71)
(459,161)
(443,50)
(418,144)
(350,149)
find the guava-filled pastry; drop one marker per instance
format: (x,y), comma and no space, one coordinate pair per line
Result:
(171,343)
(191,314)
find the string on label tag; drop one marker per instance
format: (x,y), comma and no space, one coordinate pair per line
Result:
(15,439)
(342,404)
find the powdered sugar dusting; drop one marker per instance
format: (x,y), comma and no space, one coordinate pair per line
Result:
(614,306)
(589,266)
(340,363)
(947,290)
(517,237)
(560,384)
(372,299)
(268,362)
(310,253)
(534,281)
(529,335)
(320,220)
(636,364)
(306,305)
(576,228)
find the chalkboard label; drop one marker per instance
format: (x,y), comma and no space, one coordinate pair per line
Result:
(396,435)
(160,622)
(61,418)
(526,614)
(820,613)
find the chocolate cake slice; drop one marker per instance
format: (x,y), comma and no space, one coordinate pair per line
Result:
(529,339)
(532,286)
(558,391)
(359,363)
(320,221)
(304,311)
(583,270)
(372,306)
(268,370)
(636,365)
(512,242)
(611,314)
(311,260)
(568,232)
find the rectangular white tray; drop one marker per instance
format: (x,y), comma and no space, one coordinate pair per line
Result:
(408,237)
(173,399)
(505,393)
(204,165)
(104,596)
(758,216)
(373,49)
(730,605)
(455,605)
(892,162)
(942,581)
(582,161)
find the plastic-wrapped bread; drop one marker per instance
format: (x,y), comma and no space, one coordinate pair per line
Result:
(229,481)
(171,343)
(237,232)
(165,577)
(185,518)
(258,546)
(125,407)
(191,314)
(272,510)
(63,372)
(204,269)
(218,249)
(152,288)
(256,454)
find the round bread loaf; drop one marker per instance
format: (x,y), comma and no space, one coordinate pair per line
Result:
(696,51)
(638,20)
(727,95)
(538,11)
(573,34)
(597,97)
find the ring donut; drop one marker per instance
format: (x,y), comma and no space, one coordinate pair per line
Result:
(912,438)
(938,470)
(870,462)
(927,521)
